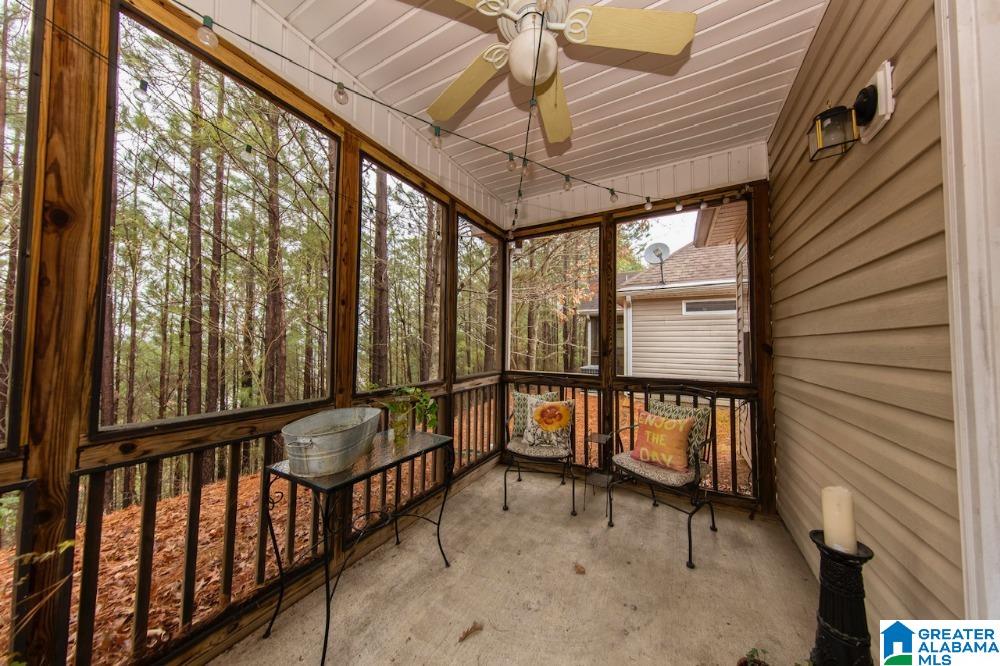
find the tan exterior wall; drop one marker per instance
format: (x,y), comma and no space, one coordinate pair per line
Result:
(668,343)
(860,313)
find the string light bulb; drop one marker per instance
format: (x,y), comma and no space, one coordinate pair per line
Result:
(247,154)
(533,109)
(678,206)
(703,205)
(341,94)
(142,90)
(520,195)
(614,196)
(206,32)
(525,166)
(437,137)
(567,184)
(511,166)
(648,205)
(725,200)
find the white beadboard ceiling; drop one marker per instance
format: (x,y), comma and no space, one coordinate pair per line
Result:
(630,111)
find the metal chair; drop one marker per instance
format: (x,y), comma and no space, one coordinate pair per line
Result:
(625,469)
(519,451)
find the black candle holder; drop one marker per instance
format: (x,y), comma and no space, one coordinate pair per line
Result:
(842,637)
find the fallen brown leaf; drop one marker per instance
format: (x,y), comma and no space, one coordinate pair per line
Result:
(579,568)
(474,628)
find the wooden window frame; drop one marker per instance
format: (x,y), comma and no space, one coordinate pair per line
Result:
(500,299)
(450,224)
(586,223)
(17,378)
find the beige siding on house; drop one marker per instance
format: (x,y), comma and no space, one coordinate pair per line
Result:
(860,313)
(668,343)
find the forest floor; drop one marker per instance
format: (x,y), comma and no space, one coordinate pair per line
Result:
(120,545)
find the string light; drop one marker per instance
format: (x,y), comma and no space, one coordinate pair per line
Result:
(207,36)
(341,95)
(533,109)
(247,153)
(703,205)
(520,195)
(206,33)
(614,196)
(725,200)
(678,206)
(436,141)
(648,205)
(142,90)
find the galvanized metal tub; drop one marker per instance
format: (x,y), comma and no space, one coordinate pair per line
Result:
(330,441)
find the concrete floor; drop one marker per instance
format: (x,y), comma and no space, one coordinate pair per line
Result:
(513,572)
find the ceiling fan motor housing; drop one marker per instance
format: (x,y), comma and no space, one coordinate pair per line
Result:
(530,39)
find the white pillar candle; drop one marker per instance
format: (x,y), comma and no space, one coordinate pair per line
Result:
(838,519)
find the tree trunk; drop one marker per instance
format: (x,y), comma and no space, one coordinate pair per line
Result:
(212,398)
(7,329)
(530,328)
(195,312)
(274,310)
(307,365)
(492,291)
(165,346)
(380,300)
(247,355)
(432,258)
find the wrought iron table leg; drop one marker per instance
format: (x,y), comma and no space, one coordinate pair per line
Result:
(327,552)
(444,499)
(611,503)
(572,478)
(395,525)
(277,555)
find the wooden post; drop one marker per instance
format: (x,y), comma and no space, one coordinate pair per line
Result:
(63,288)
(346,267)
(448,319)
(760,322)
(606,289)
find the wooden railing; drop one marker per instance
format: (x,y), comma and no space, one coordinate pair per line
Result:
(733,456)
(193,551)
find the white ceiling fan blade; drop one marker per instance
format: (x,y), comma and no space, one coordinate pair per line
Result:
(645,30)
(475,76)
(551,98)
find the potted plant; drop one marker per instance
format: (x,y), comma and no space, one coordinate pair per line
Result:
(754,657)
(401,403)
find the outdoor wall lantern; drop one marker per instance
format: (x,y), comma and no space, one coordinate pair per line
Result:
(836,129)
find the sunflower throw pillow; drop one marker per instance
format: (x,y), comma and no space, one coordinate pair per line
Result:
(521,416)
(548,423)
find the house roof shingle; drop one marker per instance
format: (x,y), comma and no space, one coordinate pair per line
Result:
(688,264)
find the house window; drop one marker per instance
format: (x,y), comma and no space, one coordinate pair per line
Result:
(478,302)
(399,282)
(553,284)
(218,261)
(723,306)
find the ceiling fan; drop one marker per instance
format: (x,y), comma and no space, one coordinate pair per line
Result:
(528,27)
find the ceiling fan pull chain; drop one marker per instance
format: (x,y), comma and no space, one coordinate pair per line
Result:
(496,55)
(576,25)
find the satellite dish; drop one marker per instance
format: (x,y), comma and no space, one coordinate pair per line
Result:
(656,254)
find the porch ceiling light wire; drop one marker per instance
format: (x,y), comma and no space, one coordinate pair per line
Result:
(215,24)
(532,106)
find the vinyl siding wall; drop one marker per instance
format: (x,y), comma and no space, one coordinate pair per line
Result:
(668,343)
(860,313)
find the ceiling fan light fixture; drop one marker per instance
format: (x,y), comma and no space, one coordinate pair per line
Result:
(522,56)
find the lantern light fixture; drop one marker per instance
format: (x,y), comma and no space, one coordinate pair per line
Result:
(206,32)
(836,129)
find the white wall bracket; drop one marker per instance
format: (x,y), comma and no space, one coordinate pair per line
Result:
(882,80)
